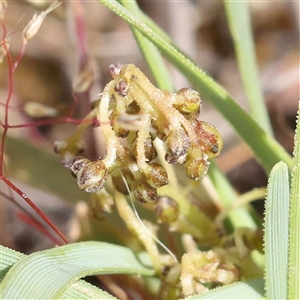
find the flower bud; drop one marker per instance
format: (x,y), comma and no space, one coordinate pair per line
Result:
(166,210)
(115,69)
(196,165)
(122,87)
(92,176)
(188,102)
(156,175)
(78,163)
(210,138)
(3,7)
(36,22)
(143,192)
(39,110)
(177,145)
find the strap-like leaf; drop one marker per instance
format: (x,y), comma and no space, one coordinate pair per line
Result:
(78,290)
(276,233)
(294,225)
(47,274)
(238,16)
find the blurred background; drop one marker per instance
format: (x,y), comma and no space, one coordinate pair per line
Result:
(78,41)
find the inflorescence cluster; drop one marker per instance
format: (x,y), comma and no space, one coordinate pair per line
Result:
(133,113)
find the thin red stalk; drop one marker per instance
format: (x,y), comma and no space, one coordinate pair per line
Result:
(11,68)
(19,57)
(14,107)
(28,218)
(5,127)
(38,211)
(80,29)
(37,225)
(74,104)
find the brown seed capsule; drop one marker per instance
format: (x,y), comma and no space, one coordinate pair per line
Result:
(143,192)
(196,166)
(166,210)
(177,145)
(156,175)
(209,137)
(92,176)
(78,163)
(188,102)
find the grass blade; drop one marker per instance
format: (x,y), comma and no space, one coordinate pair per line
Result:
(294,224)
(78,290)
(35,276)
(238,16)
(276,233)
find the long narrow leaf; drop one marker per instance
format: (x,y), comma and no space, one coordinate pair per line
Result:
(47,274)
(267,150)
(238,16)
(78,290)
(294,224)
(276,233)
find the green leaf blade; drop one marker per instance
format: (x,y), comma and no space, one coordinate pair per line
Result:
(294,222)
(276,233)
(239,21)
(36,276)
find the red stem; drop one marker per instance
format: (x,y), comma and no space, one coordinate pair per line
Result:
(38,211)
